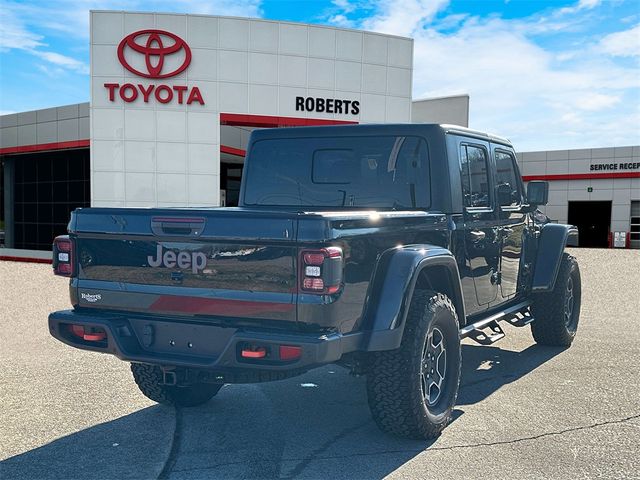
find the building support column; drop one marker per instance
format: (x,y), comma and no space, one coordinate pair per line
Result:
(9,197)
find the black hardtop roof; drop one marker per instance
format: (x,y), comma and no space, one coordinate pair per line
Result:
(423,129)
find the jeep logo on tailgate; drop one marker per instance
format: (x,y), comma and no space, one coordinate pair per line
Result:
(170,259)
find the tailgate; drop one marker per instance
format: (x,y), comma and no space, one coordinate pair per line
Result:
(217,262)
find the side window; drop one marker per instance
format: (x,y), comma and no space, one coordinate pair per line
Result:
(475,179)
(507,183)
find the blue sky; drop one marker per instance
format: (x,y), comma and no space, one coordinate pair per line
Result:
(547,74)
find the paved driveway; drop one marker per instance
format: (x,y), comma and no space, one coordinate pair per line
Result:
(524,411)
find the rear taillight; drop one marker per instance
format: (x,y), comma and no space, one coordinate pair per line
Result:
(89,334)
(321,270)
(268,353)
(63,256)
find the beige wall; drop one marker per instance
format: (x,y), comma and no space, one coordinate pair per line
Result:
(451,110)
(620,191)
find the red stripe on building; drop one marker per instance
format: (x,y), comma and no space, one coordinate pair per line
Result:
(269,121)
(41,147)
(25,259)
(582,176)
(233,151)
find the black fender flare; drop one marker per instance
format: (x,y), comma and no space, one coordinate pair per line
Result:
(553,238)
(391,290)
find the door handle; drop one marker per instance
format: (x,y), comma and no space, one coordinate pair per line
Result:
(477,235)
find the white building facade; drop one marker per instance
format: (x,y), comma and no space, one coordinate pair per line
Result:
(597,189)
(162,85)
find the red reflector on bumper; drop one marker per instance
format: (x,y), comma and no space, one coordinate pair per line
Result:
(289,352)
(257,353)
(94,336)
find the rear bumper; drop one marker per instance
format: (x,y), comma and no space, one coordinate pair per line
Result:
(170,342)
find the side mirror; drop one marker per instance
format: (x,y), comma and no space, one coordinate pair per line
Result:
(537,193)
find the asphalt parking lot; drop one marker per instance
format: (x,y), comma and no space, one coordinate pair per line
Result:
(524,411)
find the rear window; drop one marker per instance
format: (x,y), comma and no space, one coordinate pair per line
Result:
(380,172)
(506,175)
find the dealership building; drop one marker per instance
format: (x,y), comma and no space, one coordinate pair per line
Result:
(174,99)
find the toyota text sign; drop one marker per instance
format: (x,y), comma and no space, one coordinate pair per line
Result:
(154,54)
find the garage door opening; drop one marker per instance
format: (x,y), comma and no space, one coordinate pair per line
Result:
(593,220)
(1,203)
(45,188)
(635,224)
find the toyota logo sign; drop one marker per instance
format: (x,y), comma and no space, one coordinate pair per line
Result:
(154,51)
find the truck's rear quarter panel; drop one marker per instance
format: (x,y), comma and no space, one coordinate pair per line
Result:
(363,237)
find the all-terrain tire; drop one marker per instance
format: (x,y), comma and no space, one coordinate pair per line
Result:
(149,381)
(557,312)
(396,381)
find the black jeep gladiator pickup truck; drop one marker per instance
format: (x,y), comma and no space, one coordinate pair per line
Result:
(377,247)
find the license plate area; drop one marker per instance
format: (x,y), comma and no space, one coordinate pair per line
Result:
(181,338)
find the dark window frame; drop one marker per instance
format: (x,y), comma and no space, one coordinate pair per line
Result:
(227,177)
(517,175)
(427,170)
(490,195)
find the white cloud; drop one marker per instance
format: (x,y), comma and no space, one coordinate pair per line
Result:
(517,88)
(51,71)
(62,61)
(13,33)
(540,97)
(581,5)
(71,17)
(26,26)
(622,44)
(238,8)
(597,101)
(402,17)
(452,21)
(341,20)
(344,5)
(16,35)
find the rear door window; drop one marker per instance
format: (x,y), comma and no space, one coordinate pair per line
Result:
(507,176)
(475,176)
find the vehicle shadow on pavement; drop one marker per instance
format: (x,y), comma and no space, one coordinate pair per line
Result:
(317,425)
(486,369)
(126,447)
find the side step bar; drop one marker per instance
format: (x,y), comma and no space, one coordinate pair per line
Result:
(488,331)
